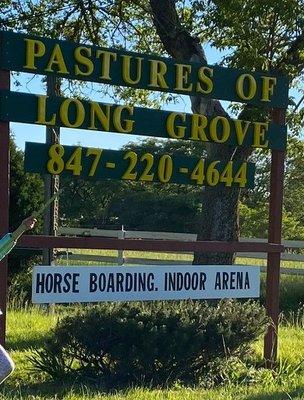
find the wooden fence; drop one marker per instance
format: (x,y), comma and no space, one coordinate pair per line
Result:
(292,248)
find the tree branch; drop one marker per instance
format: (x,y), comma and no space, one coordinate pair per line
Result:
(176,40)
(293,55)
(181,45)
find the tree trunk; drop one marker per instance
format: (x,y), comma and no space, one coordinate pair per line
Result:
(220,204)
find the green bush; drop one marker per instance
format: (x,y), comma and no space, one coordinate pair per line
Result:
(20,288)
(26,196)
(149,343)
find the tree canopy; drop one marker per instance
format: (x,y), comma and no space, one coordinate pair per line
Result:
(254,34)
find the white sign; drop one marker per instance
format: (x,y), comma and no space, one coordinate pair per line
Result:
(77,284)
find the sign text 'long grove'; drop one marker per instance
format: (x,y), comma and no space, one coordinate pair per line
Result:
(126,119)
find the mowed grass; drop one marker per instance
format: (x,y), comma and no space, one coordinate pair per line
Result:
(27,330)
(166,256)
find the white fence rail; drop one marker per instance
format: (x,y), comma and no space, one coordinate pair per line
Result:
(120,259)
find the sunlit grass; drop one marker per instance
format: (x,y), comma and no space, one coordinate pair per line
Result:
(27,329)
(168,256)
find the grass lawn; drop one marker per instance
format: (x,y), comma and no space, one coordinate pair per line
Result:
(27,329)
(161,256)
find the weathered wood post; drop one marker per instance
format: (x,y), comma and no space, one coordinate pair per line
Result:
(274,236)
(4,202)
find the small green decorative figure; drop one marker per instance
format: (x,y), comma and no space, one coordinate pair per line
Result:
(8,242)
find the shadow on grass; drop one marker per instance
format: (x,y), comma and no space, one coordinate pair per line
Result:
(297,393)
(26,344)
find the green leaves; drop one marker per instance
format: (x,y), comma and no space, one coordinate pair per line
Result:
(149,343)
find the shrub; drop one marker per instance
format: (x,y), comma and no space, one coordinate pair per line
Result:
(26,196)
(149,343)
(20,288)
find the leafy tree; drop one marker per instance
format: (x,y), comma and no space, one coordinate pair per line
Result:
(154,211)
(159,207)
(254,209)
(26,190)
(86,204)
(259,35)
(26,196)
(135,205)
(294,178)
(254,223)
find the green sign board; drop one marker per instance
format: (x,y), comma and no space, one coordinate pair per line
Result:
(45,56)
(75,113)
(101,164)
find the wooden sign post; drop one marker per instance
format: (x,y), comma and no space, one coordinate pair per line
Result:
(4,201)
(274,236)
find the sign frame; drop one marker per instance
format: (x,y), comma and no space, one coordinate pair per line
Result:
(274,247)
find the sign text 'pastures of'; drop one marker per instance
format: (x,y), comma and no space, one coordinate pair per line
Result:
(118,67)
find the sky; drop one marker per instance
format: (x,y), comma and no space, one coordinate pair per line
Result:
(34,133)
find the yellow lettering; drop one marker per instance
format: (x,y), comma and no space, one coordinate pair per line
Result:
(249,81)
(34,48)
(41,112)
(81,55)
(106,58)
(180,130)
(260,128)
(157,71)
(182,75)
(198,126)
(128,126)
(205,85)
(126,69)
(225,131)
(57,59)
(268,84)
(64,113)
(103,117)
(241,130)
